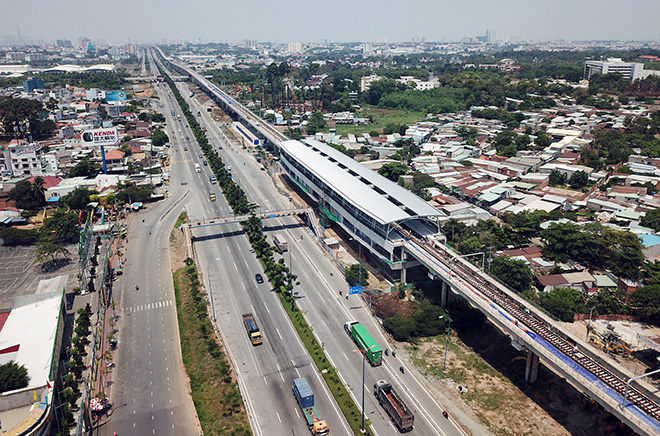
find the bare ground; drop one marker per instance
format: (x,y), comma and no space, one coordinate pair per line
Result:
(490,373)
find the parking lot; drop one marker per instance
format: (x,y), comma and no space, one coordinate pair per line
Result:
(20,272)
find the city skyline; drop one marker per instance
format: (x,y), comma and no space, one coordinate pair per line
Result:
(197,20)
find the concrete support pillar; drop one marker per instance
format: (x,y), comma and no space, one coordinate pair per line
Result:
(532,367)
(404,256)
(444,294)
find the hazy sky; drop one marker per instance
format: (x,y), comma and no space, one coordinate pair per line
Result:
(339,20)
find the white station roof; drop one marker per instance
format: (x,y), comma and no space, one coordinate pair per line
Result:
(383,200)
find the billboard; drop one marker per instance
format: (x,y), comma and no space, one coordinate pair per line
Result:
(99,137)
(115,96)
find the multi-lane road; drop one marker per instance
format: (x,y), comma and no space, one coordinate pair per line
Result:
(318,297)
(150,392)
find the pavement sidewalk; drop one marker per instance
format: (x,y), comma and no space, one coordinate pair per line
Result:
(105,366)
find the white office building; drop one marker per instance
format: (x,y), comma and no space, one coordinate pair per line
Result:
(629,70)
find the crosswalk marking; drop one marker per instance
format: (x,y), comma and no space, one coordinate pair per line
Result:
(149,306)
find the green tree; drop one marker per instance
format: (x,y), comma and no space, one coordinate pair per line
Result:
(542,140)
(651,219)
(393,171)
(61,226)
(470,245)
(515,273)
(400,326)
(557,178)
(505,143)
(85,168)
(315,123)
(578,180)
(49,250)
(134,193)
(159,138)
(20,116)
(13,376)
(14,236)
(353,274)
(469,134)
(563,303)
(78,199)
(28,195)
(157,118)
(646,301)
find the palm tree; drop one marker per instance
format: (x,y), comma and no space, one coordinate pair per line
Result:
(38,190)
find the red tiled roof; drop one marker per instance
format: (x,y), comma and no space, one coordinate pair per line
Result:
(114,155)
(552,280)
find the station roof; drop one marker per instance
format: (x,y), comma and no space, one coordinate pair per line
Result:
(383,200)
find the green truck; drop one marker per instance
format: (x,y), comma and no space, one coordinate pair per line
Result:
(365,342)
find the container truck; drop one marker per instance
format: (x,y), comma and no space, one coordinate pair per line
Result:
(393,405)
(252,329)
(365,342)
(305,398)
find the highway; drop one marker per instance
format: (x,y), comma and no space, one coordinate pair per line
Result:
(150,390)
(318,296)
(228,267)
(643,411)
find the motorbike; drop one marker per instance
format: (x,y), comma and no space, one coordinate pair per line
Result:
(402,370)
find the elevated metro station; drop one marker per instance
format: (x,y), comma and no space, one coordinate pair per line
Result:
(363,203)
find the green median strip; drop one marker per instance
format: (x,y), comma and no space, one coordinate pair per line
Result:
(276,272)
(215,393)
(329,373)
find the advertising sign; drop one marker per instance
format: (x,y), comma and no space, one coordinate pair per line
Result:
(115,96)
(99,137)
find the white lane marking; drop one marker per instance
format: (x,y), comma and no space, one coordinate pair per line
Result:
(278,333)
(278,417)
(279,371)
(267,310)
(345,355)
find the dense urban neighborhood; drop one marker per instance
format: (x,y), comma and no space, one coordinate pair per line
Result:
(494,199)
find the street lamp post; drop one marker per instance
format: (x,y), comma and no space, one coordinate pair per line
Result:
(444,365)
(591,312)
(291,274)
(211,295)
(364,358)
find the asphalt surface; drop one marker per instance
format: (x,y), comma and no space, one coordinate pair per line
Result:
(318,295)
(228,266)
(150,391)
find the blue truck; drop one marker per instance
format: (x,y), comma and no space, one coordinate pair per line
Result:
(305,397)
(212,179)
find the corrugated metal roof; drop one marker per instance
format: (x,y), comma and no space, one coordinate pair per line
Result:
(356,183)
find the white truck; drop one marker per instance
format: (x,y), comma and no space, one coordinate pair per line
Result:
(280,242)
(198,168)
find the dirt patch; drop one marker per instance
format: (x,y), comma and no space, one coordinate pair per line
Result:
(490,372)
(177,249)
(496,402)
